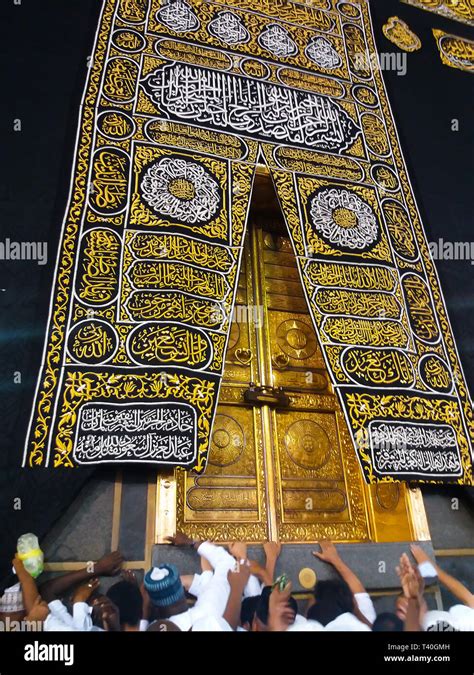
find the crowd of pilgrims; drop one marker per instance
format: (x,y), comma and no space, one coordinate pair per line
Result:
(231,593)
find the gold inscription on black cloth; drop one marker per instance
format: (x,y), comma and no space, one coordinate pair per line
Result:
(183,99)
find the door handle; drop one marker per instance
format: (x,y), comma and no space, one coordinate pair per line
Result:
(243,356)
(280,361)
(274,397)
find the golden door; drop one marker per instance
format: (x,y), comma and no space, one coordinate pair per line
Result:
(280,473)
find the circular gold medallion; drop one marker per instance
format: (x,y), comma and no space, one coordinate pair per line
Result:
(308,444)
(227,441)
(344,217)
(296,339)
(307,578)
(182,188)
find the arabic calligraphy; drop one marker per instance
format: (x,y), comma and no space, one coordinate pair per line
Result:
(301,80)
(377,367)
(419,307)
(356,51)
(187,191)
(161,344)
(365,95)
(357,303)
(229,28)
(398,32)
(455,51)
(399,227)
(381,333)
(115,125)
(374,134)
(215,143)
(98,282)
(165,305)
(343,219)
(310,161)
(385,177)
(459,10)
(177,276)
(181,190)
(250,107)
(183,98)
(120,80)
(351,276)
(435,374)
(277,40)
(146,245)
(200,56)
(133,11)
(156,432)
(109,181)
(303,15)
(92,342)
(404,448)
(178,16)
(128,41)
(321,51)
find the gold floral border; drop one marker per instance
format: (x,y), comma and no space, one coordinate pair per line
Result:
(68,250)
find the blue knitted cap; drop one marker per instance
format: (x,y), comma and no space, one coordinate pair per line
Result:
(166,591)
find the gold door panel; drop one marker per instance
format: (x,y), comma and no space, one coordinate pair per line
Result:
(313,461)
(296,360)
(289,474)
(229,499)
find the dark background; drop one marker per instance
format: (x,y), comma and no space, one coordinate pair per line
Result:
(44,54)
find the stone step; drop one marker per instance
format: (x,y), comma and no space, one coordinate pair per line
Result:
(373,563)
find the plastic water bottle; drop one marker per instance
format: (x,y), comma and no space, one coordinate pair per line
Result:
(30,554)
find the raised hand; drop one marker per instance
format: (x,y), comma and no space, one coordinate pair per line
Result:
(280,614)
(39,611)
(109,565)
(180,539)
(272,549)
(18,566)
(410,578)
(129,575)
(238,550)
(239,576)
(84,591)
(328,552)
(419,554)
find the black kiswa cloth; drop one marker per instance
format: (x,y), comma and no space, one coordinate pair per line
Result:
(47,48)
(165,220)
(32,501)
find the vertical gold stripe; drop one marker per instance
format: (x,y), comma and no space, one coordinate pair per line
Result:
(150,519)
(165,521)
(117,506)
(419,521)
(264,379)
